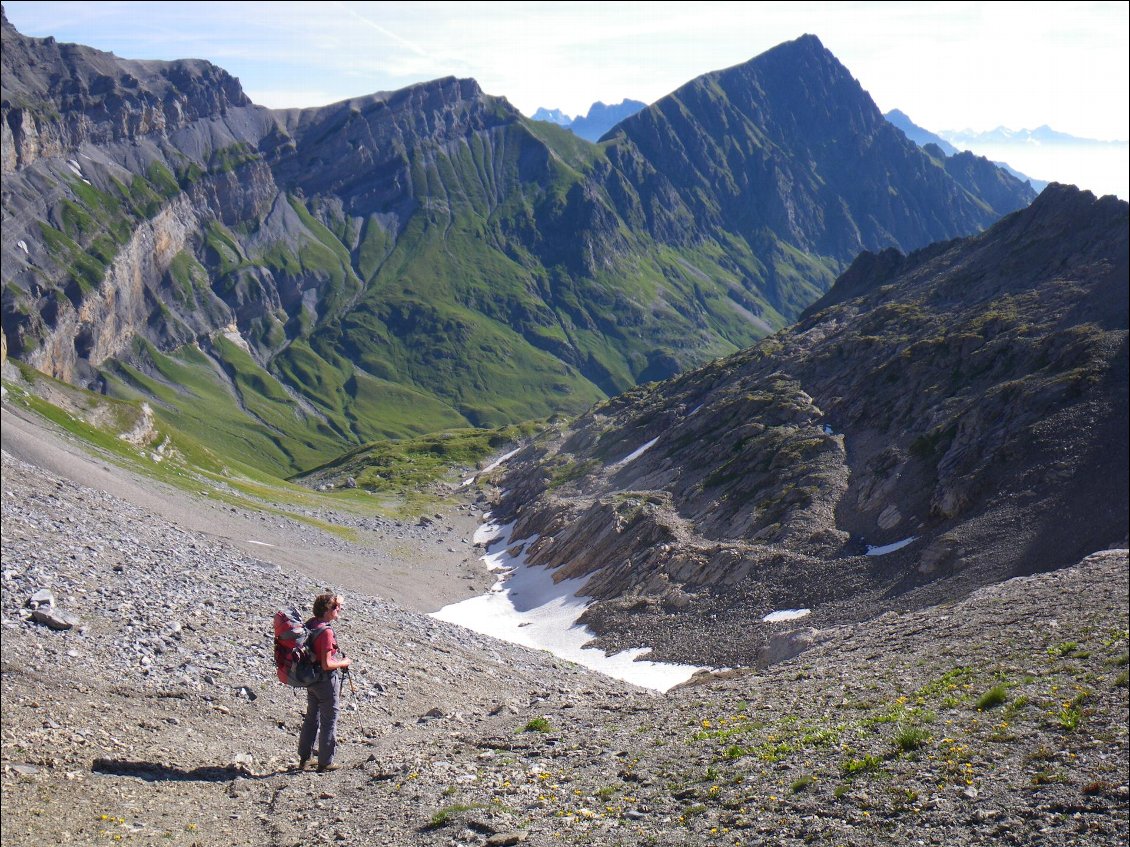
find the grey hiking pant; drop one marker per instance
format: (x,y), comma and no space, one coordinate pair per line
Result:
(322,706)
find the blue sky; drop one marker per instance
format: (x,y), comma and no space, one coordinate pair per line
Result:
(948,65)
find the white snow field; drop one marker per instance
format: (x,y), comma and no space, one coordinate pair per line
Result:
(786,615)
(635,454)
(527,607)
(889,548)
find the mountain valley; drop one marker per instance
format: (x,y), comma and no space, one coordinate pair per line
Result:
(839,420)
(156,719)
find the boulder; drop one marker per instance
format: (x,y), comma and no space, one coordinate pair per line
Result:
(55,618)
(783,646)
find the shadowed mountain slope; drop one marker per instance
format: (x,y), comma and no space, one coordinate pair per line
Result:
(960,413)
(788,153)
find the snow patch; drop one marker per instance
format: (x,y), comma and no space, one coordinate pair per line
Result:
(260,543)
(23,246)
(489,468)
(489,531)
(527,607)
(635,454)
(499,461)
(890,548)
(786,615)
(76,168)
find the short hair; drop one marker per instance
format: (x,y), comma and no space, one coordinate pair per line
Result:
(323,603)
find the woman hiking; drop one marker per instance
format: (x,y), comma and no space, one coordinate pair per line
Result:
(323,698)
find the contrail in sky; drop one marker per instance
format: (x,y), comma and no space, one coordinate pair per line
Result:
(410,45)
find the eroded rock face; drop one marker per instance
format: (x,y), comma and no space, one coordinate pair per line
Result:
(107,321)
(98,98)
(959,413)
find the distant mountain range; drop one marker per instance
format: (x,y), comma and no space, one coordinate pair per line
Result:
(1004,135)
(599,120)
(919,135)
(288,283)
(1101,166)
(935,144)
(553,116)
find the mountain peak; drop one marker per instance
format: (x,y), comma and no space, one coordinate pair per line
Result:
(553,116)
(769,142)
(806,42)
(1068,205)
(805,48)
(602,117)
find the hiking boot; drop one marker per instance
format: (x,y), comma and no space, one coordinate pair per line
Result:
(302,763)
(329,767)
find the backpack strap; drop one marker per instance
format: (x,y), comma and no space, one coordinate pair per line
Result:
(314,633)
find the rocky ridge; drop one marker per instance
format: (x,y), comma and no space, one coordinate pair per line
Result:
(965,403)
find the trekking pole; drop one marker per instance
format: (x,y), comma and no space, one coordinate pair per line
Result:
(353,691)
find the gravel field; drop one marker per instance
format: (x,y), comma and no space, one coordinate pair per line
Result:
(155,718)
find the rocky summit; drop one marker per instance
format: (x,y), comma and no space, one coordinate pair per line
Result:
(429,258)
(937,422)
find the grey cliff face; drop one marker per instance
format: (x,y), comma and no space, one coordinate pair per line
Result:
(58,97)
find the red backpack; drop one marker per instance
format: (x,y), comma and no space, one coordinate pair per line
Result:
(294,650)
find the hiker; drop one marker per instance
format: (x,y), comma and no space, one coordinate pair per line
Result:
(323,698)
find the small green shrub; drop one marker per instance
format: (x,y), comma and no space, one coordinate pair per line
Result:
(910,738)
(1068,718)
(802,783)
(537,725)
(1049,777)
(854,767)
(1064,649)
(444,815)
(992,698)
